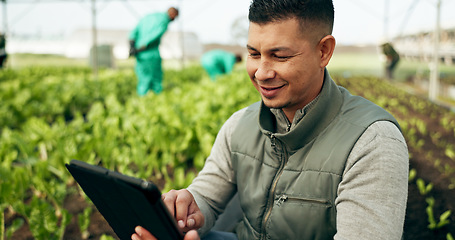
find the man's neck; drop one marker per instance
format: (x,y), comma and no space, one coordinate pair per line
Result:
(283,124)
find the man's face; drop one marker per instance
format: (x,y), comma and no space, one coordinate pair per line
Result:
(283,65)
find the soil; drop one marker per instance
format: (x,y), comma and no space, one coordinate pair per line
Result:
(416,222)
(415,227)
(74,204)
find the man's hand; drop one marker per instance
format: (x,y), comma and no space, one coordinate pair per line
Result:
(142,234)
(183,207)
(132,52)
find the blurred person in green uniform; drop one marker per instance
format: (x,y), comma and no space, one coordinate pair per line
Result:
(3,54)
(144,42)
(217,62)
(392,59)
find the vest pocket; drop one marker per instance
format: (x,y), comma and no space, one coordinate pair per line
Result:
(299,199)
(301,217)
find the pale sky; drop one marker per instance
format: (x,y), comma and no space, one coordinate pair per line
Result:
(356,21)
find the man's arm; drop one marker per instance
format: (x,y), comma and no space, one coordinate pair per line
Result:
(372,195)
(133,50)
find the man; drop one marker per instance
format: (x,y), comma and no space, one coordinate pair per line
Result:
(310,161)
(392,59)
(218,62)
(144,42)
(3,54)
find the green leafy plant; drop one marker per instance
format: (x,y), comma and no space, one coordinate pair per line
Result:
(44,224)
(412,175)
(84,222)
(2,221)
(450,152)
(443,219)
(16,224)
(106,237)
(423,189)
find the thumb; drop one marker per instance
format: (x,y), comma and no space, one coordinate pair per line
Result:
(192,235)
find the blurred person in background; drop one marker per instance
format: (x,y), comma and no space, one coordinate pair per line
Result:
(3,54)
(218,62)
(310,160)
(145,39)
(392,59)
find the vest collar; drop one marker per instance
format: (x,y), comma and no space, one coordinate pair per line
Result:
(313,123)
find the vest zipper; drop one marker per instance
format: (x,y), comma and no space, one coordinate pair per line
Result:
(283,198)
(271,198)
(272,140)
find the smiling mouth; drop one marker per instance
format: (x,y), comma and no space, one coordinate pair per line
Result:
(270,92)
(271,88)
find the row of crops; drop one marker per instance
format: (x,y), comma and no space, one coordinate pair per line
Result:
(52,115)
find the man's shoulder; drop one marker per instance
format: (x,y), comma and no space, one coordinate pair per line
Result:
(385,130)
(362,111)
(254,107)
(155,16)
(237,116)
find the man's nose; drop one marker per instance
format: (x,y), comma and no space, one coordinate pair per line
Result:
(265,71)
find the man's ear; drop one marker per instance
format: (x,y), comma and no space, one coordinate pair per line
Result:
(326,47)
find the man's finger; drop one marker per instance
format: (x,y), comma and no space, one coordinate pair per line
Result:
(169,201)
(142,234)
(195,220)
(182,205)
(192,235)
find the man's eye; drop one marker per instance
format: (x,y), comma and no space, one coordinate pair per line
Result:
(282,57)
(255,54)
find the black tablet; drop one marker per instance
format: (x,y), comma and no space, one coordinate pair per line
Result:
(125,202)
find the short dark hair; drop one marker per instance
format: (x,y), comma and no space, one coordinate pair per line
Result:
(238,58)
(319,13)
(173,9)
